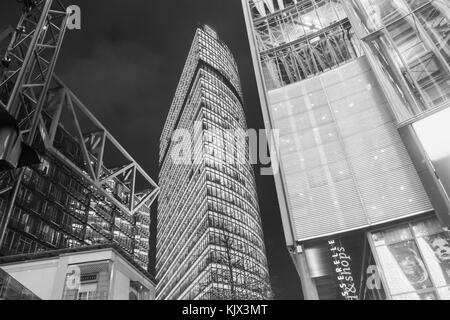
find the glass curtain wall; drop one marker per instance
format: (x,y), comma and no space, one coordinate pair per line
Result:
(411,39)
(299,39)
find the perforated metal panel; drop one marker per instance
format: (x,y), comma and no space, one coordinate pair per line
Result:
(344,165)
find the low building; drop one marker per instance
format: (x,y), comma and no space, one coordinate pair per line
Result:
(103,272)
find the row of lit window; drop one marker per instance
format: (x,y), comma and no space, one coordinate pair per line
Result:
(183,192)
(16,243)
(250,206)
(223,59)
(173,176)
(216,80)
(238,214)
(228,187)
(195,262)
(176,253)
(185,211)
(177,103)
(227,235)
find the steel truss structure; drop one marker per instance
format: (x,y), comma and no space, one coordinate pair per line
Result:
(55,121)
(412,43)
(297,40)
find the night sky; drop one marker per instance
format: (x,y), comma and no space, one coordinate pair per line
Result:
(125,63)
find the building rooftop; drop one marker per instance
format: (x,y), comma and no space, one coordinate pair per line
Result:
(56,253)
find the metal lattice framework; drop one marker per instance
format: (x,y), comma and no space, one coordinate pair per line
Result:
(300,39)
(94,141)
(411,40)
(46,109)
(310,55)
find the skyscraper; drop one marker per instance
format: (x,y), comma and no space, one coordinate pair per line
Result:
(209,235)
(359,90)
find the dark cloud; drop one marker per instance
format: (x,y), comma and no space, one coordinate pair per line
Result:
(118,84)
(125,64)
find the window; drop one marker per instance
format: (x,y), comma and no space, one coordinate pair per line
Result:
(87,291)
(415,259)
(44,166)
(87,281)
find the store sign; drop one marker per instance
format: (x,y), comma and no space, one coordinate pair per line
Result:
(342,268)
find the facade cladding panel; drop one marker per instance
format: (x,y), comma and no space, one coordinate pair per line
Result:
(344,162)
(209,241)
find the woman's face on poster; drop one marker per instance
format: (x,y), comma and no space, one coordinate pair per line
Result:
(409,265)
(441,248)
(412,266)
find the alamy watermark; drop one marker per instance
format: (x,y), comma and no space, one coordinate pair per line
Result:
(74,18)
(73,278)
(230,146)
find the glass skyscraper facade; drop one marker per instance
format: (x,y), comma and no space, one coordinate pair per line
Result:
(359,92)
(209,234)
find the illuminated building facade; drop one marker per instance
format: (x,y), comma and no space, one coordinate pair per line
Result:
(359,90)
(58,205)
(209,235)
(87,190)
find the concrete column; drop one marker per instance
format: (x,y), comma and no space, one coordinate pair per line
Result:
(60,278)
(308,286)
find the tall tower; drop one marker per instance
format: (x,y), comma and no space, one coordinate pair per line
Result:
(209,236)
(359,90)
